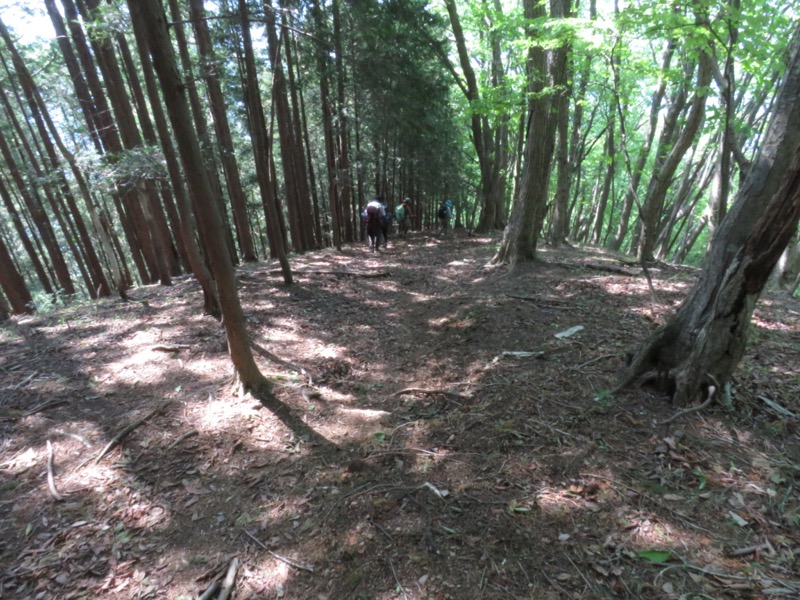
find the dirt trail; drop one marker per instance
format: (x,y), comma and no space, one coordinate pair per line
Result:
(512,474)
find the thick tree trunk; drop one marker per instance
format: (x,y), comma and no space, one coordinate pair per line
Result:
(527,215)
(703,342)
(13,284)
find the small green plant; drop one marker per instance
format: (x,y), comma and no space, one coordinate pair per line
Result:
(702,480)
(603,397)
(44,303)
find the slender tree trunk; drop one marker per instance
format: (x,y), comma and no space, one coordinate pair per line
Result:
(148,15)
(262,149)
(323,64)
(222,128)
(653,205)
(185,218)
(635,173)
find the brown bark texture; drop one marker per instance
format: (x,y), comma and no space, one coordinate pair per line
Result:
(701,345)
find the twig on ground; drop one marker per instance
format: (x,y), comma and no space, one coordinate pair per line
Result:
(283,559)
(230,578)
(51,482)
(399,585)
(430,392)
(539,302)
(777,407)
(121,435)
(594,360)
(24,381)
(75,436)
(682,413)
(171,347)
(753,549)
(186,435)
(331,272)
(44,406)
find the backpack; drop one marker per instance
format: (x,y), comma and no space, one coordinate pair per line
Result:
(373,216)
(443,213)
(400,213)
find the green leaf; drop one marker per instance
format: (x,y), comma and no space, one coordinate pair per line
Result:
(657,557)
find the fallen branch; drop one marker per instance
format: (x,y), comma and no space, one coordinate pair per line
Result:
(278,556)
(44,406)
(429,392)
(230,578)
(777,407)
(610,269)
(171,347)
(541,302)
(186,435)
(51,482)
(326,272)
(121,435)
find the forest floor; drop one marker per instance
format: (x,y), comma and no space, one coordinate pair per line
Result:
(466,443)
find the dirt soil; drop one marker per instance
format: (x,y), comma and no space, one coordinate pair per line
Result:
(460,440)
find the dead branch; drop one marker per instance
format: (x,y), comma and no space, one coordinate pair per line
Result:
(51,482)
(326,272)
(44,406)
(541,302)
(121,435)
(171,347)
(186,435)
(610,269)
(429,392)
(230,578)
(278,556)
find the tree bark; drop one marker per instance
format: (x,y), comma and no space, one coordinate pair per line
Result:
(701,345)
(148,15)
(222,128)
(13,284)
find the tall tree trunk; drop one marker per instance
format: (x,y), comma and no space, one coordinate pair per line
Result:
(40,219)
(211,66)
(326,102)
(102,120)
(493,214)
(661,180)
(521,235)
(262,149)
(185,218)
(635,171)
(148,15)
(200,120)
(701,345)
(22,233)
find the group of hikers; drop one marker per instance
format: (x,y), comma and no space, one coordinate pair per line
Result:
(377,220)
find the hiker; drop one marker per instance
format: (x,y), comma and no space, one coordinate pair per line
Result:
(445,213)
(386,224)
(375,213)
(404,215)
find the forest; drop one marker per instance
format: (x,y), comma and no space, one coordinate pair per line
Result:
(585,387)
